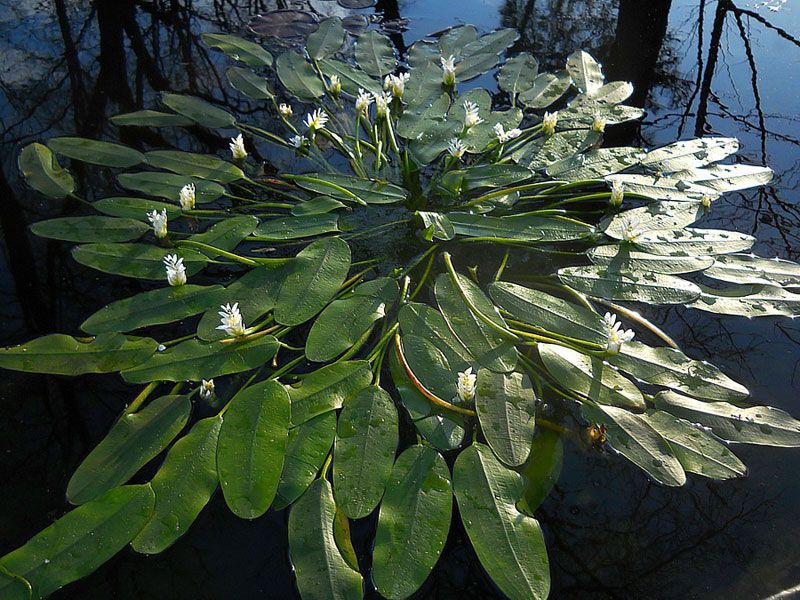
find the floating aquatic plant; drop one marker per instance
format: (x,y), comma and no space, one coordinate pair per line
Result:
(407,377)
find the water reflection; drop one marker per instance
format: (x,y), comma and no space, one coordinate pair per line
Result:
(698,67)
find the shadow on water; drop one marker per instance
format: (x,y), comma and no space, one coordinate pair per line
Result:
(699,67)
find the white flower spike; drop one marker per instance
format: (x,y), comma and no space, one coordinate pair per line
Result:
(237,148)
(316,120)
(598,124)
(466,385)
(187,196)
(629,229)
(396,84)
(456,148)
(207,390)
(504,136)
(382,105)
(176,272)
(363,101)
(616,335)
(335,86)
(471,116)
(285,110)
(159,222)
(296,141)
(549,122)
(448,70)
(705,202)
(231,320)
(617,193)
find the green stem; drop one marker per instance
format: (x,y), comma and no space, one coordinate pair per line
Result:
(143,395)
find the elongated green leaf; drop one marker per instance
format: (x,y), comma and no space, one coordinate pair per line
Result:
(663,215)
(595,164)
(749,269)
(249,84)
(633,437)
(352,78)
(688,154)
(697,451)
(239,48)
(150,118)
(251,449)
(590,377)
(523,227)
(255,292)
(434,369)
(620,258)
(43,173)
(652,288)
(326,40)
(95,152)
(316,206)
(506,407)
(420,119)
(426,322)
(662,188)
(199,111)
(134,208)
(327,389)
(227,234)
(437,226)
(508,543)
(762,425)
(80,541)
(748,301)
(364,451)
(194,360)
(306,449)
(183,486)
(345,321)
(728,178)
(413,523)
(483,342)
(142,261)
(541,152)
(586,72)
(321,570)
(168,185)
(549,313)
(546,89)
(375,54)
(298,76)
(673,369)
(455,39)
(90,229)
(494,42)
(367,190)
(518,73)
(191,164)
(296,227)
(542,469)
(59,354)
(131,443)
(314,277)
(691,241)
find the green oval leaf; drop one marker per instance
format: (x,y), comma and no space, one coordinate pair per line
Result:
(59,354)
(168,185)
(134,440)
(366,442)
(239,48)
(80,541)
(327,39)
(590,377)
(508,543)
(321,570)
(375,54)
(194,360)
(90,229)
(343,322)
(142,261)
(327,389)
(95,152)
(249,84)
(518,73)
(296,227)
(306,450)
(652,288)
(314,277)
(183,485)
(585,71)
(150,118)
(523,227)
(199,111)
(134,208)
(506,407)
(298,76)
(42,172)
(191,164)
(252,444)
(546,89)
(226,234)
(542,469)
(367,191)
(413,523)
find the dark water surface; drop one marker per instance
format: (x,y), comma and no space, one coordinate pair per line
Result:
(699,67)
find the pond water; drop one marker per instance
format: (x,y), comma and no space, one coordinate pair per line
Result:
(699,67)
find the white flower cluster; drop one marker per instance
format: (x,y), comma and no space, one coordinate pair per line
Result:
(231,320)
(466,385)
(616,335)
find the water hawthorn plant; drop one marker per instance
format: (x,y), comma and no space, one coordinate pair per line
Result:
(396,384)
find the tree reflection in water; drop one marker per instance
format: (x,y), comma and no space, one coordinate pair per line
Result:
(698,67)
